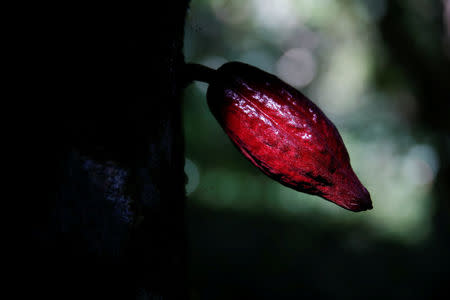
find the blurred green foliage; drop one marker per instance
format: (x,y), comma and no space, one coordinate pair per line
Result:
(339,54)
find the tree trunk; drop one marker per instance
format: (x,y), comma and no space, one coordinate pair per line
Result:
(115,227)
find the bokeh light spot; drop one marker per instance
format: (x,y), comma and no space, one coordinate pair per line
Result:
(297,67)
(193,175)
(420,164)
(231,11)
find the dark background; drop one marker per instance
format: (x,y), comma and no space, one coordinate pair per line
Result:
(381,71)
(108,222)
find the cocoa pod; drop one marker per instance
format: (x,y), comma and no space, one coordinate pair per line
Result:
(284,134)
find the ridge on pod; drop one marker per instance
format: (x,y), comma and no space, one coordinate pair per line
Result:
(284,134)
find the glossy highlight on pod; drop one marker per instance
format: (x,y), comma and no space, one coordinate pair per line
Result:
(283,133)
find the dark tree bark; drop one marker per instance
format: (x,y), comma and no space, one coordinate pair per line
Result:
(112,226)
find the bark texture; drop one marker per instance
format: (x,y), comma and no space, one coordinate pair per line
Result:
(112,226)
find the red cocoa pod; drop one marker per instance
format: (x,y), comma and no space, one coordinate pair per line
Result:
(284,134)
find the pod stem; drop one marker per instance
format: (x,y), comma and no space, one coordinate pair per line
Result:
(199,72)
